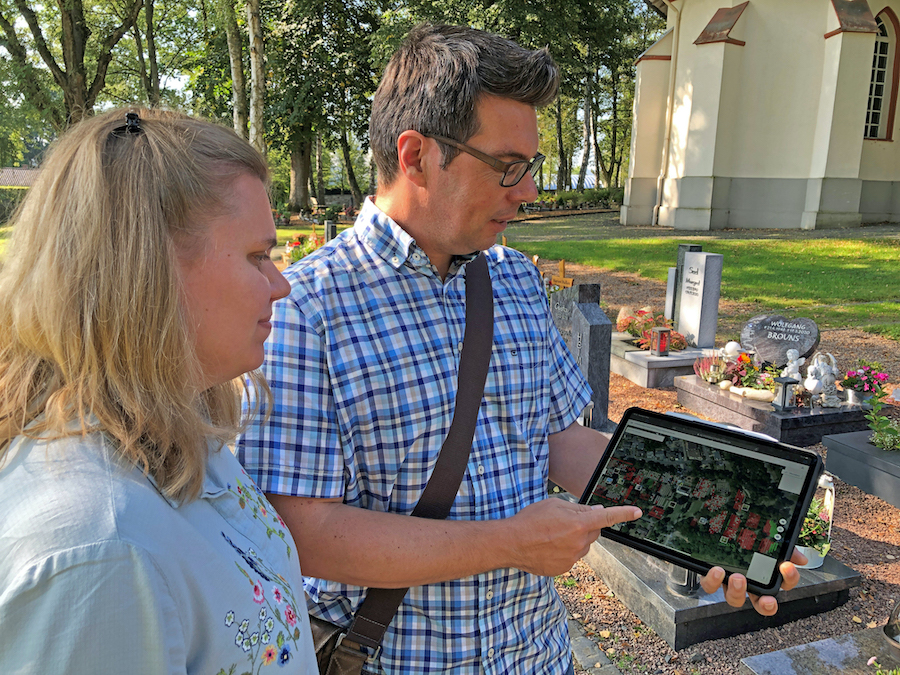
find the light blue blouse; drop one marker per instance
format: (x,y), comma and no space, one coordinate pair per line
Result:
(99,573)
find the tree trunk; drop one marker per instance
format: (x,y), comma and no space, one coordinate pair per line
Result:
(614,160)
(153,93)
(298,199)
(149,80)
(257,78)
(355,192)
(320,172)
(586,139)
(240,114)
(599,165)
(562,179)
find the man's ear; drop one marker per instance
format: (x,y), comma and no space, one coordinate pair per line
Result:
(411,148)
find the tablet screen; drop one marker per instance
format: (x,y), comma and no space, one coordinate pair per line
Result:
(719,497)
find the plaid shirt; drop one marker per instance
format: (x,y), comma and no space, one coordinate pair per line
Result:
(362,362)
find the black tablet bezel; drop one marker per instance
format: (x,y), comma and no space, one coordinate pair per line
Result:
(711,431)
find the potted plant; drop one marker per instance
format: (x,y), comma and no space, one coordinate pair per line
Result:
(815,534)
(859,385)
(750,380)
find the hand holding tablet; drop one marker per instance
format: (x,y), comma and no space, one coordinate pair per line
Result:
(710,496)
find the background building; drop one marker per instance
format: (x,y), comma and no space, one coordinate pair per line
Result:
(767,114)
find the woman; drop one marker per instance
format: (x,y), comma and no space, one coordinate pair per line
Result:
(137,287)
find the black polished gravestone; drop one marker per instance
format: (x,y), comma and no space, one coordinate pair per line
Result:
(798,426)
(587,332)
(771,336)
(641,582)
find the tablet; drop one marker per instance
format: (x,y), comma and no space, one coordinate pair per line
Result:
(710,495)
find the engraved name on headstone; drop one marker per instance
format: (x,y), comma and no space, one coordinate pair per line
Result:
(698,313)
(683,250)
(587,332)
(771,336)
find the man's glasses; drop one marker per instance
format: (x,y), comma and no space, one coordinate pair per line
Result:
(512,172)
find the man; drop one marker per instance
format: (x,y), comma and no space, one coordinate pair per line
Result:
(363,362)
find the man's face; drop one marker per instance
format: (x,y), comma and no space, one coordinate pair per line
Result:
(468,206)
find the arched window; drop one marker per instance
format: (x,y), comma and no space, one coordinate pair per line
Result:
(883,85)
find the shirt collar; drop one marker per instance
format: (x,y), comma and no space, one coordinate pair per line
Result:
(392,243)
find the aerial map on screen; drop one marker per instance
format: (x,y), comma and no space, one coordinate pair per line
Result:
(724,504)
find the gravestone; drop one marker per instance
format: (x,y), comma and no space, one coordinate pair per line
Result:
(683,250)
(587,332)
(669,311)
(698,312)
(330,230)
(771,336)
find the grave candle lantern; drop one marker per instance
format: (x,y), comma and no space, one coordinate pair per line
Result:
(785,395)
(659,340)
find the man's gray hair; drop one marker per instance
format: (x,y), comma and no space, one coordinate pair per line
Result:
(435,79)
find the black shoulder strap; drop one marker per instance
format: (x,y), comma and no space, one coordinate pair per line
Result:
(381,604)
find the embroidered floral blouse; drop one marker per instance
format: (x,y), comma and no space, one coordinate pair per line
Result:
(99,573)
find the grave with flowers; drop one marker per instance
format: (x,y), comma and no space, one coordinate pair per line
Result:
(740,387)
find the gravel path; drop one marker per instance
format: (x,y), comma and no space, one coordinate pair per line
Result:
(866,533)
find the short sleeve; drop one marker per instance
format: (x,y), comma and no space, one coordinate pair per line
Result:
(101,608)
(294,448)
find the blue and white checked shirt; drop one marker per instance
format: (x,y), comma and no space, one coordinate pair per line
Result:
(362,362)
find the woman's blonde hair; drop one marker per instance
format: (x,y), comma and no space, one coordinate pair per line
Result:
(92,336)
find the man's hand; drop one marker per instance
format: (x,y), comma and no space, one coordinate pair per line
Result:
(736,590)
(553,534)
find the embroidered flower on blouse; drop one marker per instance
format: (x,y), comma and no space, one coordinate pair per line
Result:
(254,639)
(269,655)
(258,595)
(289,616)
(246,645)
(245,624)
(239,639)
(265,637)
(276,593)
(285,655)
(229,619)
(263,613)
(270,624)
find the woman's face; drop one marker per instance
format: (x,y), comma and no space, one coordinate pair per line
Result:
(230,283)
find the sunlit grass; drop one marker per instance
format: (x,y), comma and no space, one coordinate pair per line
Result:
(837,282)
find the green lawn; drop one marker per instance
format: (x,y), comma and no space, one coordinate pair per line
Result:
(837,282)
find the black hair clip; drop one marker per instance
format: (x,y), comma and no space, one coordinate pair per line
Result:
(132,126)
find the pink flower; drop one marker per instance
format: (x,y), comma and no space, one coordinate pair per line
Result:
(276,593)
(258,595)
(823,515)
(289,616)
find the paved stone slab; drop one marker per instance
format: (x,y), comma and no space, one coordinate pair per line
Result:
(801,426)
(639,581)
(856,461)
(846,654)
(587,653)
(645,370)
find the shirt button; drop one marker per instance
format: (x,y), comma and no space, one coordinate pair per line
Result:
(395,260)
(491,653)
(489,595)
(459,346)
(480,470)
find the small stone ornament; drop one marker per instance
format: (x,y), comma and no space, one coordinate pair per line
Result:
(792,369)
(824,368)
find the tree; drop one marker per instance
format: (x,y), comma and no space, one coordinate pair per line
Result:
(228,19)
(257,78)
(86,43)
